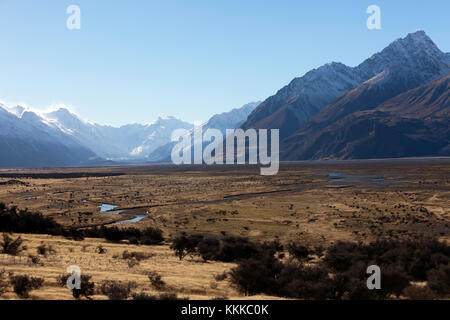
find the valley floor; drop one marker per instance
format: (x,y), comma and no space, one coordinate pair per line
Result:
(313,203)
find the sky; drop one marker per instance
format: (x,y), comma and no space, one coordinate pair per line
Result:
(132,61)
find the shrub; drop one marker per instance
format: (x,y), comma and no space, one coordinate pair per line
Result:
(152,236)
(419,293)
(439,280)
(312,282)
(257,275)
(3,282)
(101,250)
(22,221)
(139,256)
(221,276)
(299,252)
(393,281)
(44,250)
(341,256)
(225,249)
(184,245)
(208,248)
(156,280)
(148,236)
(11,246)
(23,284)
(162,296)
(115,290)
(142,296)
(86,286)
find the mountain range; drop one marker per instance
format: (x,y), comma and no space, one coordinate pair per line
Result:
(394,104)
(352,119)
(61,138)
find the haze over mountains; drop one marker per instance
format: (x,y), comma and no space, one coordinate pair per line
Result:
(394,104)
(61,138)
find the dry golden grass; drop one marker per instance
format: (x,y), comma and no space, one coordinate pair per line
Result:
(189,278)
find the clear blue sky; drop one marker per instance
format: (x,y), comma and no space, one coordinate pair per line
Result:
(135,60)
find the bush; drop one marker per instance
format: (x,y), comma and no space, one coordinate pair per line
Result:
(184,245)
(225,249)
(148,236)
(162,296)
(439,280)
(115,290)
(419,293)
(341,256)
(11,246)
(22,221)
(152,236)
(86,286)
(393,281)
(257,275)
(221,276)
(22,285)
(156,280)
(3,283)
(301,282)
(299,252)
(44,250)
(342,274)
(138,256)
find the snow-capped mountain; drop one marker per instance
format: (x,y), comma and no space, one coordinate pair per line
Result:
(304,97)
(123,143)
(26,139)
(227,120)
(158,134)
(350,128)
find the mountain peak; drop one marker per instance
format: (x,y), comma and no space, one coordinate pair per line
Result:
(414,43)
(62,111)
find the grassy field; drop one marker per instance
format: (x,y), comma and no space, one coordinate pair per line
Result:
(311,203)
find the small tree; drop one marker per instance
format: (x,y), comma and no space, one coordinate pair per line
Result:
(23,284)
(11,246)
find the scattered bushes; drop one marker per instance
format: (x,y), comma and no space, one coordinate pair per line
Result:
(148,236)
(11,246)
(341,274)
(23,221)
(225,249)
(23,284)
